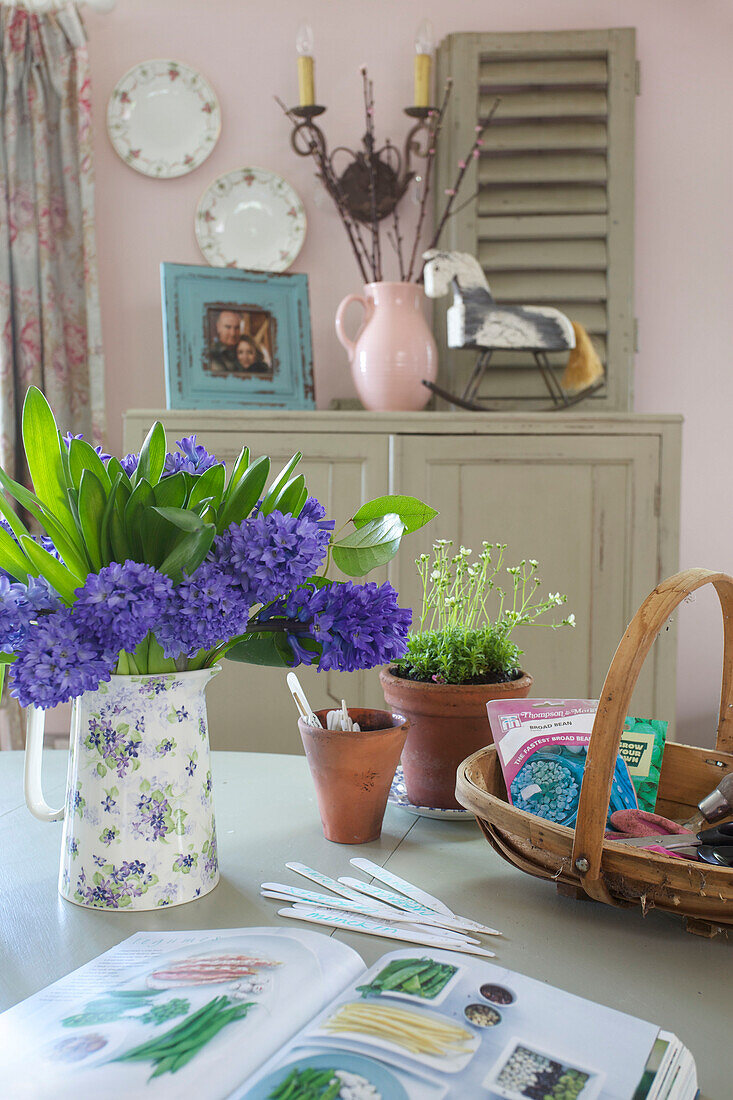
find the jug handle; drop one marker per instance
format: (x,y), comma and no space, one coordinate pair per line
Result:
(341,335)
(35,801)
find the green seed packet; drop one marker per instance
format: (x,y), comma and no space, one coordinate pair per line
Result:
(642,747)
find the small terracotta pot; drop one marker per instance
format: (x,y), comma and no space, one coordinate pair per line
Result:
(448,722)
(353,772)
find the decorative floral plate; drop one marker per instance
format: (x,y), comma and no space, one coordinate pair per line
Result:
(398,797)
(163,119)
(250,218)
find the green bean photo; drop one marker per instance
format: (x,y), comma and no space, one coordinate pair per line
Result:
(175,1048)
(418,977)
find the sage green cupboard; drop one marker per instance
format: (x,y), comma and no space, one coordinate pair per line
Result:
(595,499)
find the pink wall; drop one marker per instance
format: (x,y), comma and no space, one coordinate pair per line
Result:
(684,229)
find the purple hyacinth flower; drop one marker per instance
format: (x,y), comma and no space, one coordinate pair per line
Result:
(193,457)
(20,605)
(355,626)
(129,463)
(270,555)
(57,663)
(119,605)
(208,607)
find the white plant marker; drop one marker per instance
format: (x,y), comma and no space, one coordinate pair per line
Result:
(414,892)
(408,905)
(304,708)
(370,927)
(380,912)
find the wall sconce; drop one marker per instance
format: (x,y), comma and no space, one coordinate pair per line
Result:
(373,180)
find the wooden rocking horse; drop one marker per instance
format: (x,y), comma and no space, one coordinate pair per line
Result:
(476,321)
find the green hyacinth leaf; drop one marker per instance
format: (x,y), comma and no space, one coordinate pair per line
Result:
(288,499)
(12,519)
(268,502)
(152,456)
(243,499)
(43,454)
(238,470)
(271,650)
(188,553)
(91,504)
(171,492)
(12,558)
(369,547)
(414,513)
(115,468)
(181,518)
(207,486)
(55,572)
(83,457)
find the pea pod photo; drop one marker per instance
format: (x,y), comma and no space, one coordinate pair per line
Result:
(421,979)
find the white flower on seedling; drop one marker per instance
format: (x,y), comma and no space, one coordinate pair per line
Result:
(570,621)
(534,563)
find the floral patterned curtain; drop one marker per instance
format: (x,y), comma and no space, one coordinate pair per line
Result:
(50,331)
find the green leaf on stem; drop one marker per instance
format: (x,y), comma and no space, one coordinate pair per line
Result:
(188,553)
(181,518)
(12,558)
(238,470)
(152,455)
(271,650)
(171,492)
(413,512)
(83,457)
(268,503)
(114,467)
(92,501)
(53,570)
(43,455)
(289,497)
(208,485)
(245,496)
(139,500)
(370,546)
(105,538)
(12,519)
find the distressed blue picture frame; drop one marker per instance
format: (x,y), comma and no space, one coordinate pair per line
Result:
(194,297)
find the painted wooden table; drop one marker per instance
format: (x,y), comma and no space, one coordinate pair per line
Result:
(266,814)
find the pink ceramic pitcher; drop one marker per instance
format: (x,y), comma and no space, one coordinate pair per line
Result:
(394,349)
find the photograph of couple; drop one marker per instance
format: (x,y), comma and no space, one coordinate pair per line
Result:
(240,341)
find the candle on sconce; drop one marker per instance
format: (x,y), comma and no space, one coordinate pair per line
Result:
(424,44)
(306,80)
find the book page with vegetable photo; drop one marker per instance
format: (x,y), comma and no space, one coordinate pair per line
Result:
(171,1014)
(431,1024)
(281,1014)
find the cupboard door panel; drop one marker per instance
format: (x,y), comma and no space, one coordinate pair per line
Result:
(584,507)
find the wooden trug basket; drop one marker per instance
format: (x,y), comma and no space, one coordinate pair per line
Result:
(580,860)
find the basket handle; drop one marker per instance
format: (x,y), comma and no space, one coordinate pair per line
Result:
(613,707)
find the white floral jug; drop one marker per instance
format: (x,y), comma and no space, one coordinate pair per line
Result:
(139,829)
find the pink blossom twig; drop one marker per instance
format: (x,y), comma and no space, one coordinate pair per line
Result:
(436,122)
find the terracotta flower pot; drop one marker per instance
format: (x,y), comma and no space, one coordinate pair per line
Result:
(448,722)
(353,772)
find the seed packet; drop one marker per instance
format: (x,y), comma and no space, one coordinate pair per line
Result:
(542,747)
(642,747)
